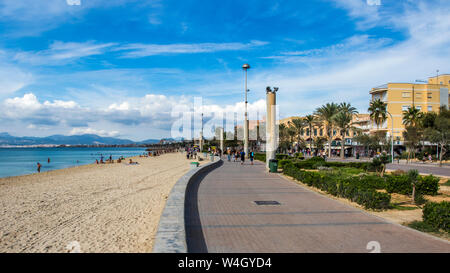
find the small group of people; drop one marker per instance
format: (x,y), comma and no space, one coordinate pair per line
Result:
(240,156)
(191,153)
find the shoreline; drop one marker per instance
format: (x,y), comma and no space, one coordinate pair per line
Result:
(104,208)
(67,166)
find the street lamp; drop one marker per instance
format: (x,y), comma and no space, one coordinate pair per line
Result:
(246,67)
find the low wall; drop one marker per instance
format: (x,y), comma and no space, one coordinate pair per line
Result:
(171,234)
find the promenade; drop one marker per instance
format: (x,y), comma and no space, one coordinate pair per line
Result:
(222,216)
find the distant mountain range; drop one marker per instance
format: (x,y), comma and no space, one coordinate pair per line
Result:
(87,139)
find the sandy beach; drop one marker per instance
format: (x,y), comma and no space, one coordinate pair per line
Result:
(105,208)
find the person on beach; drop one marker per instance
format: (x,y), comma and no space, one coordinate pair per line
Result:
(242,157)
(48,160)
(251,157)
(39,167)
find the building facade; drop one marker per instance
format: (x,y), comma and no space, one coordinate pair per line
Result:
(427,97)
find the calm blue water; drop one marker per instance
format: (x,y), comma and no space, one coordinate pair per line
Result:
(20,161)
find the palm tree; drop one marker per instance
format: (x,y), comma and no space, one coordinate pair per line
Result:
(348,108)
(310,121)
(291,133)
(298,125)
(343,121)
(412,116)
(326,113)
(378,111)
(283,135)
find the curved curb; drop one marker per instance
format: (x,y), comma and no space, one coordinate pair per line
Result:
(171,234)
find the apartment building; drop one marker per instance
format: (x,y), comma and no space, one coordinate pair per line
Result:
(427,97)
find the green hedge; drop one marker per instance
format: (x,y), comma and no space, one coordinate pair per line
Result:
(260,157)
(401,184)
(357,189)
(437,215)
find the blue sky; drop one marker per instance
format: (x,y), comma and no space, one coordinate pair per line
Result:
(116,68)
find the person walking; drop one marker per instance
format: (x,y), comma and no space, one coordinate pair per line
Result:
(242,157)
(252,155)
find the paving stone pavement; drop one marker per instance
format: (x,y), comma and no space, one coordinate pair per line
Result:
(221,216)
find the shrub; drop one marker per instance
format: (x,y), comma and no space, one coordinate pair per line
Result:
(398,184)
(353,188)
(428,185)
(402,184)
(437,215)
(281,156)
(419,199)
(317,158)
(283,162)
(260,157)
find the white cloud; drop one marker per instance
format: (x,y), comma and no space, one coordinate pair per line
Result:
(87,130)
(73,2)
(13,79)
(62,52)
(144,50)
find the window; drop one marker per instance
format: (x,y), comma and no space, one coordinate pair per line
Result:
(430,108)
(419,108)
(430,95)
(334,132)
(418,95)
(347,133)
(405,107)
(406,94)
(315,132)
(307,132)
(321,132)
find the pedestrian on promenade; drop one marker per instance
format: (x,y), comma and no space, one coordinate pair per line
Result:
(229,156)
(242,157)
(252,155)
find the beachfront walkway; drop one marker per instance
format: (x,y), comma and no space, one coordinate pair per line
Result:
(221,216)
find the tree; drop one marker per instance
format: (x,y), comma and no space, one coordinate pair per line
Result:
(440,131)
(283,135)
(291,133)
(378,111)
(413,177)
(326,113)
(411,136)
(310,121)
(298,125)
(343,121)
(412,116)
(319,142)
(363,140)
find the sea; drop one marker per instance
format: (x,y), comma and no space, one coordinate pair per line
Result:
(22,161)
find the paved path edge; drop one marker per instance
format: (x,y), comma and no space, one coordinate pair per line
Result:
(171,234)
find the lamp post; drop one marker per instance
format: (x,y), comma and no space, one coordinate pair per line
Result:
(392,138)
(246,67)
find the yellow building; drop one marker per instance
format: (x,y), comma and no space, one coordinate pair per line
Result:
(427,97)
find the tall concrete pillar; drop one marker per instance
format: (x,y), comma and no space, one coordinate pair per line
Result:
(221,139)
(271,137)
(201,142)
